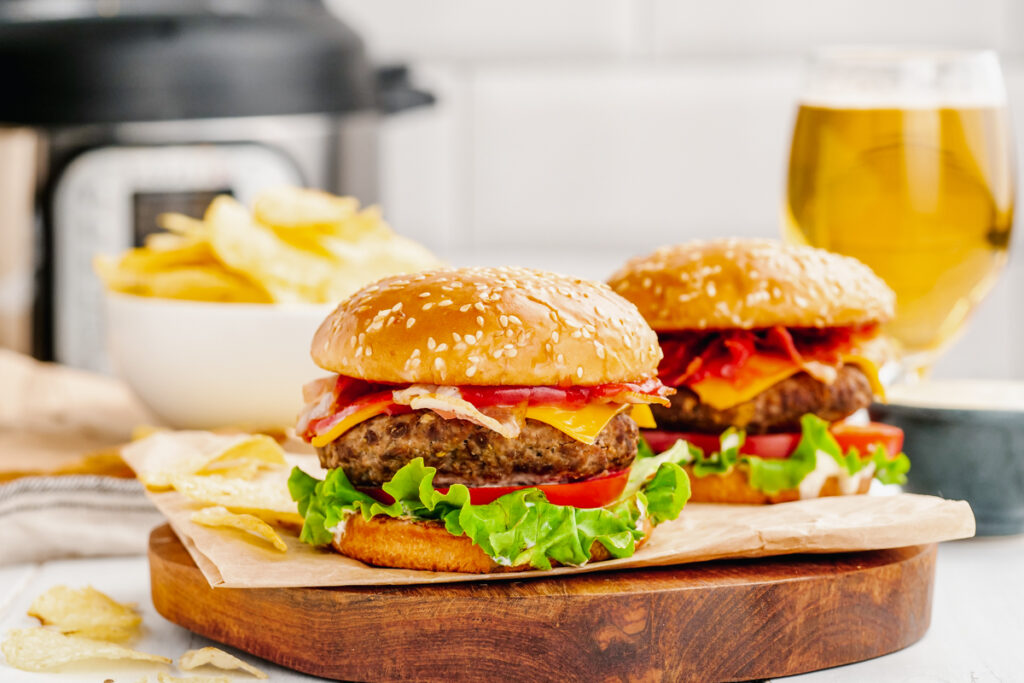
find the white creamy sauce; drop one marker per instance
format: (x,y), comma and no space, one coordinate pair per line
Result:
(339,529)
(960,395)
(825,466)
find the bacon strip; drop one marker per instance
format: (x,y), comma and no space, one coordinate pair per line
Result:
(691,356)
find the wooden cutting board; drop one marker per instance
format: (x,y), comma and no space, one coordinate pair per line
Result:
(715,621)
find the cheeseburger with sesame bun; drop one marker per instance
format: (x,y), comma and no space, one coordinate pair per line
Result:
(485,419)
(769,348)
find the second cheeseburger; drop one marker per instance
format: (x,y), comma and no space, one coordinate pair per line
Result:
(483,419)
(769,348)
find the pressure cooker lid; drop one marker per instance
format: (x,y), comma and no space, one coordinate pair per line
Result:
(177,59)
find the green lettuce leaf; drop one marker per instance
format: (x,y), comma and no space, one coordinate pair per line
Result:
(662,481)
(890,470)
(772,475)
(518,528)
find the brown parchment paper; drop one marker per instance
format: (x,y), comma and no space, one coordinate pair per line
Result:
(703,532)
(51,414)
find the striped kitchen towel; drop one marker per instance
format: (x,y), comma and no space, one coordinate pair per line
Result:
(44,518)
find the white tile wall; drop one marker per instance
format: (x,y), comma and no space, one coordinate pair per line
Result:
(571,134)
(488,29)
(632,156)
(749,27)
(425,162)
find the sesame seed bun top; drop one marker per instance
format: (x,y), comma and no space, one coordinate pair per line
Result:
(487,326)
(752,283)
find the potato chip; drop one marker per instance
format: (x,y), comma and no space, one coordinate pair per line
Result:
(219,516)
(201,283)
(140,432)
(297,245)
(253,448)
(288,273)
(164,251)
(218,658)
(235,470)
(171,242)
(265,497)
(167,678)
(85,612)
(161,457)
(180,224)
(295,208)
(39,649)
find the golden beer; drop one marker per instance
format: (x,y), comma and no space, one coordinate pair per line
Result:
(923,195)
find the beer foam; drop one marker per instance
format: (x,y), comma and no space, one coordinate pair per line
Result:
(887,78)
(905,101)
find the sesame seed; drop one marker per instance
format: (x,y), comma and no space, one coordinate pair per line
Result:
(410,322)
(431,344)
(579,372)
(427,306)
(463,308)
(443,346)
(470,371)
(480,320)
(456,336)
(424,295)
(445,302)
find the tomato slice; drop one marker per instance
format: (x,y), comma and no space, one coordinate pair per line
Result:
(861,437)
(485,396)
(590,493)
(762,445)
(865,437)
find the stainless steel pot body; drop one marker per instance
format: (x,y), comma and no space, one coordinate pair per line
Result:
(69,193)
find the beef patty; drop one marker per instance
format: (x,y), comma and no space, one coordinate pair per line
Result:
(777,409)
(465,453)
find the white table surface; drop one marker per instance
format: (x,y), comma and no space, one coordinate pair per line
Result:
(976,635)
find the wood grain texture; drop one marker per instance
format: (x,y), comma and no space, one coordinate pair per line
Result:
(716,621)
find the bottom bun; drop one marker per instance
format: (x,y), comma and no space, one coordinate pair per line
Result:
(426,545)
(734,488)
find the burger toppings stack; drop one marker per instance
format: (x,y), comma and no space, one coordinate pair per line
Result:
(769,347)
(485,419)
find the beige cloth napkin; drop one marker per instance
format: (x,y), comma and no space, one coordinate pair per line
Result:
(51,415)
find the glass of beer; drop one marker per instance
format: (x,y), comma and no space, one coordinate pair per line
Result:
(904,160)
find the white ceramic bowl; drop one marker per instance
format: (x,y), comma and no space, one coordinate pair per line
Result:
(200,365)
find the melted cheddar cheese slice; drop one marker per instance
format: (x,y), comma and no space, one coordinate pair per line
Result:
(583,424)
(347,423)
(760,373)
